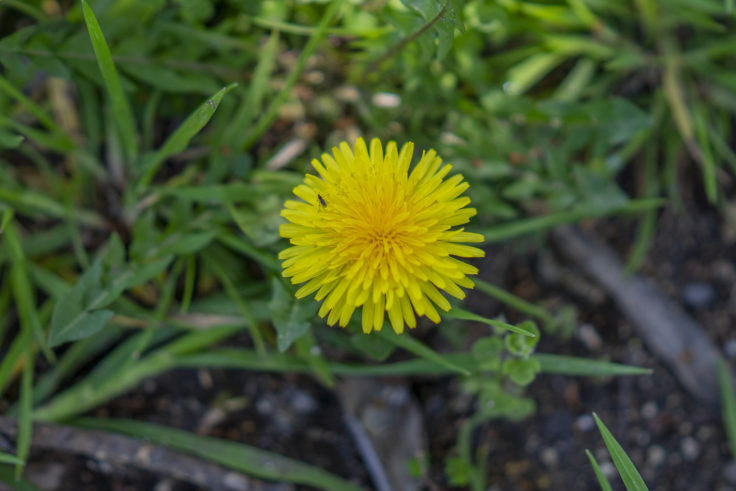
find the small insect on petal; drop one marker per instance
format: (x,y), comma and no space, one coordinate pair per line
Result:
(389,245)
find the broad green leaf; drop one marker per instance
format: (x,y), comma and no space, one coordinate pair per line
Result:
(183,244)
(132,275)
(521,370)
(71,318)
(79,313)
(617,119)
(373,346)
(120,106)
(570,365)
(82,325)
(242,458)
(440,15)
(9,140)
(261,223)
(522,344)
(179,140)
(629,474)
(458,471)
(487,351)
(599,191)
(290,316)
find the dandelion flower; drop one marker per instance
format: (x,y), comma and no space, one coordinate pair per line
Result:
(370,233)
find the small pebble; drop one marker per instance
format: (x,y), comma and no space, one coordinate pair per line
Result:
(585,422)
(386,99)
(729,472)
(643,438)
(608,470)
(549,457)
(649,410)
(149,386)
(655,455)
(704,433)
(690,448)
(236,482)
(730,348)
(164,485)
(698,295)
(264,406)
(302,402)
(590,338)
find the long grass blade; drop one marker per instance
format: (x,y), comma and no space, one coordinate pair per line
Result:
(269,115)
(629,474)
(570,365)
(120,106)
(418,348)
(602,480)
(179,140)
(728,404)
(242,458)
(461,314)
(25,416)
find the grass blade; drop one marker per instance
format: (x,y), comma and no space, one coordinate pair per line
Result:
(243,458)
(179,140)
(536,224)
(6,458)
(602,480)
(570,365)
(461,314)
(120,106)
(253,97)
(247,359)
(629,474)
(25,417)
(413,346)
(516,303)
(7,477)
(23,291)
(728,404)
(21,344)
(34,109)
(269,115)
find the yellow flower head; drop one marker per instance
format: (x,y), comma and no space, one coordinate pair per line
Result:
(371,233)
